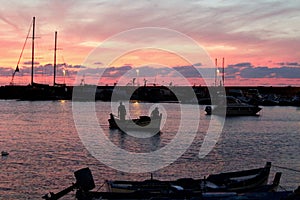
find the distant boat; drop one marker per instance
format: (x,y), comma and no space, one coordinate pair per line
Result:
(234,107)
(143,123)
(4,153)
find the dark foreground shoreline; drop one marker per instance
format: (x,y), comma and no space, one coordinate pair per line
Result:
(261,95)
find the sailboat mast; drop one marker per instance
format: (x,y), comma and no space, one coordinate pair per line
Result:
(54,63)
(32,50)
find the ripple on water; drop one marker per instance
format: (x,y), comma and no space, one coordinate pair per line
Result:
(45,148)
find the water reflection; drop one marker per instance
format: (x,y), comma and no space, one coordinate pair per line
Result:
(134,144)
(45,148)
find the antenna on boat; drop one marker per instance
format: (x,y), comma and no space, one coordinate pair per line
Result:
(223,71)
(216,64)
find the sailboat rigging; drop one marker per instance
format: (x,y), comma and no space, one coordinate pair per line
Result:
(35,91)
(32,53)
(24,45)
(33,37)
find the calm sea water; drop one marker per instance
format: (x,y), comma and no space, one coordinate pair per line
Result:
(45,148)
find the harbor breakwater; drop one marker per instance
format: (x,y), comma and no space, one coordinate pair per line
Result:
(259,95)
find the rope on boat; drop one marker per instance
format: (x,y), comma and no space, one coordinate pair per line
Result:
(24,45)
(101,186)
(283,188)
(287,168)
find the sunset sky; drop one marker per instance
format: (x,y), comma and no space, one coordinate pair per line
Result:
(258,39)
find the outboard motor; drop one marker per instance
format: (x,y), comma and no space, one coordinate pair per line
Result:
(84,182)
(84,179)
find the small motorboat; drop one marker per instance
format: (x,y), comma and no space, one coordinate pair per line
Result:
(143,124)
(233,107)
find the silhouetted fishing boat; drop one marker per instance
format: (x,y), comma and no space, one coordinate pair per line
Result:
(143,124)
(233,107)
(185,195)
(85,184)
(240,181)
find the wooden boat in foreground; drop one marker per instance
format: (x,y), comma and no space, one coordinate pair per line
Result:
(143,124)
(239,181)
(173,190)
(282,195)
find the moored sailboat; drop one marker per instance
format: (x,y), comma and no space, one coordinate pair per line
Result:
(36,91)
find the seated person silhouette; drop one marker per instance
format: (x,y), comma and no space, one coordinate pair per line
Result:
(155,113)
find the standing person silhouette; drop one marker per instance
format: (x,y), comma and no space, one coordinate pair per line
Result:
(121,111)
